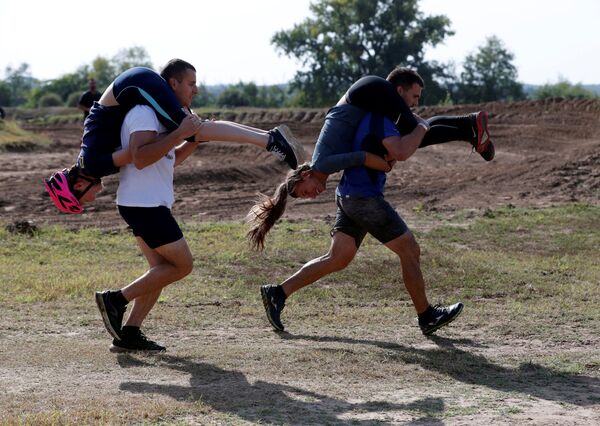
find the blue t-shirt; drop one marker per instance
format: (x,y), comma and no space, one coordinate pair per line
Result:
(362,181)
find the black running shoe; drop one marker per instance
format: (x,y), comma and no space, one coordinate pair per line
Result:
(136,342)
(283,145)
(112,313)
(273,298)
(439,317)
(481,136)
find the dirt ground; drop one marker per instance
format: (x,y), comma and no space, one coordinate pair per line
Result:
(547,153)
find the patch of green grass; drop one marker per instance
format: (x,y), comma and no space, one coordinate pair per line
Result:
(552,266)
(54,120)
(536,262)
(12,136)
(57,263)
(552,273)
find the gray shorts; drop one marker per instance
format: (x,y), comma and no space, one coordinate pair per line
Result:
(357,216)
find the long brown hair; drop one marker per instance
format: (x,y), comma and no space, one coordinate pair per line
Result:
(267,210)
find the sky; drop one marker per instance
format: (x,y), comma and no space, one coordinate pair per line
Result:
(228,41)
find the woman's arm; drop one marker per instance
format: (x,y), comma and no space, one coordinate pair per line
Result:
(121,157)
(375,162)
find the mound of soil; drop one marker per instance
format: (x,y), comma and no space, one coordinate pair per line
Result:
(547,152)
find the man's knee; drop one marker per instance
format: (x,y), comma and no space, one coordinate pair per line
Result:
(185,265)
(339,258)
(179,256)
(337,262)
(406,246)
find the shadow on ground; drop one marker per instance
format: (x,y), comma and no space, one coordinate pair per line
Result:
(230,392)
(528,379)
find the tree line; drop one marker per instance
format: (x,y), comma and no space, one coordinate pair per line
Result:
(341,41)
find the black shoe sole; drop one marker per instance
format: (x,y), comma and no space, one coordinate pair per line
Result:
(437,327)
(489,153)
(120,350)
(105,319)
(267,304)
(296,146)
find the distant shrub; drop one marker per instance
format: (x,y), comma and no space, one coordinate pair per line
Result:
(563,89)
(73,99)
(49,100)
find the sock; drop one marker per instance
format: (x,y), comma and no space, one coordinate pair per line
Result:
(270,142)
(426,313)
(130,330)
(281,292)
(119,298)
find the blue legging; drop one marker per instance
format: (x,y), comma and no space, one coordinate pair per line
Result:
(102,127)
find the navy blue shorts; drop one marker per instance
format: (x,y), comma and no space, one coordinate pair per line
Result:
(357,216)
(102,127)
(155,225)
(101,138)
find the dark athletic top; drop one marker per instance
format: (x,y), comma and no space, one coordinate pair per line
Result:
(102,127)
(375,94)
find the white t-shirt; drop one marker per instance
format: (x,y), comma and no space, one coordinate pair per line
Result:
(153,185)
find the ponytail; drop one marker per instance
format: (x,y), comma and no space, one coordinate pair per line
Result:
(267,210)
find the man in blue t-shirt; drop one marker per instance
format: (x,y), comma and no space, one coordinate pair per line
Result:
(362,209)
(362,181)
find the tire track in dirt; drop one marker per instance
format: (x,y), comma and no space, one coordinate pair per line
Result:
(547,153)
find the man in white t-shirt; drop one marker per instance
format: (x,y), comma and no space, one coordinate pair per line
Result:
(144,199)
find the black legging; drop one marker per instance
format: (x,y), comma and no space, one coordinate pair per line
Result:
(376,94)
(444,128)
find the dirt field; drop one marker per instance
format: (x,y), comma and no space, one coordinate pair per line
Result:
(547,153)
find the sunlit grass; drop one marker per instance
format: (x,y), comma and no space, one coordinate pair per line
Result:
(543,260)
(13,136)
(525,275)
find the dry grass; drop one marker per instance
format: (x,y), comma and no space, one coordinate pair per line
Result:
(525,351)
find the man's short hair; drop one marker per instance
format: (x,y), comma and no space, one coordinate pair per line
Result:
(176,69)
(405,77)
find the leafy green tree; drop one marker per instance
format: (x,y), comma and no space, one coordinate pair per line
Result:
(20,88)
(238,95)
(346,39)
(135,56)
(563,89)
(203,98)
(489,75)
(17,85)
(249,94)
(103,71)
(61,87)
(273,96)
(5,94)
